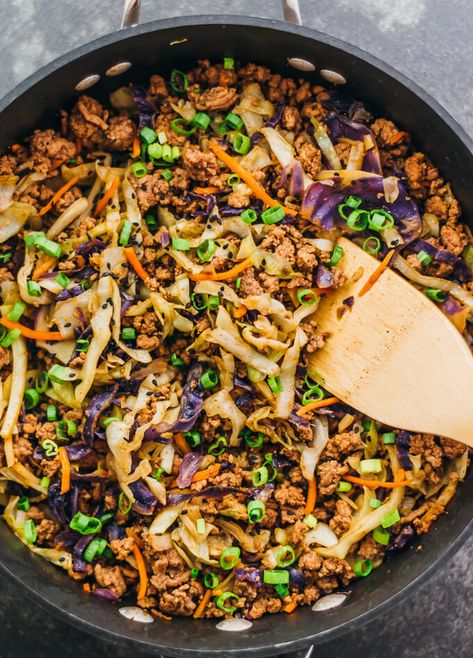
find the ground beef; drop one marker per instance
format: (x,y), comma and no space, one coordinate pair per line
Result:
(422,177)
(454,239)
(425,445)
(88,121)
(4,353)
(444,205)
(122,547)
(199,165)
(340,445)
(64,202)
(291,119)
(310,562)
(46,530)
(263,605)
(333,567)
(238,200)
(182,600)
(111,578)
(369,549)
(49,144)
(342,518)
(120,134)
(216,98)
(151,190)
(329,474)
(279,88)
(22,448)
(249,283)
(306,258)
(157,86)
(309,155)
(452,449)
(279,242)
(8,165)
(44,431)
(316,340)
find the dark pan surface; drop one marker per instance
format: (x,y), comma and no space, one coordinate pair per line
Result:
(37,101)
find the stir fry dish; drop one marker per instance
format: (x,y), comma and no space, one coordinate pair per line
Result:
(162,258)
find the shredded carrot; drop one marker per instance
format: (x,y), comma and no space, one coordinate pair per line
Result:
(136,149)
(61,191)
(377,273)
(86,587)
(32,333)
(398,136)
(249,179)
(222,276)
(239,312)
(134,261)
(205,474)
(78,145)
(107,196)
(374,484)
(181,443)
(56,164)
(290,607)
(65,470)
(317,404)
(142,572)
(311,496)
(44,264)
(206,190)
(199,611)
(15,148)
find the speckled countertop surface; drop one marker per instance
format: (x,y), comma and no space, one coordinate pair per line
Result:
(430,41)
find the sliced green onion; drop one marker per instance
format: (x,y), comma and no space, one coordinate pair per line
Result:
(82,345)
(282,590)
(179,81)
(106,517)
(206,250)
(31,398)
(233,179)
(218,447)
(124,505)
(254,440)
(139,169)
(181,244)
(23,504)
(358,220)
(389,438)
(10,337)
(313,394)
(193,438)
(200,526)
(182,127)
(275,384)
(390,518)
(60,374)
(128,333)
(214,302)
(199,301)
(95,549)
(220,602)
(285,556)
(313,377)
(41,381)
(238,283)
(424,258)
(175,153)
(50,447)
(241,143)
(16,311)
(45,482)
(30,238)
(337,253)
(381,536)
(375,503)
(176,360)
(167,175)
(228,63)
(5,258)
(148,135)
(201,120)
(33,288)
(49,247)
(209,379)
(229,558)
(86,525)
(194,573)
(273,215)
(349,204)
(65,428)
(343,486)
(307,297)
(162,138)
(370,466)
(63,280)
(159,473)
(372,245)
(111,419)
(51,413)
(29,531)
(167,153)
(275,577)
(155,152)
(380,220)
(435,295)
(363,568)
(256,511)
(310,520)
(259,476)
(151,222)
(211,580)
(249,216)
(86,284)
(233,121)
(125,233)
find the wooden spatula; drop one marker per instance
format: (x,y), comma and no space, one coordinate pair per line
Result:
(394,355)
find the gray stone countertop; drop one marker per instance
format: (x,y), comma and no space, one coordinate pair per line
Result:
(430,41)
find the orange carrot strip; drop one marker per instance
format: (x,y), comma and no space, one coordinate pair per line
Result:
(245,175)
(239,312)
(206,190)
(316,404)
(181,443)
(65,470)
(290,607)
(56,164)
(205,474)
(86,587)
(142,572)
(32,333)
(107,196)
(14,148)
(78,145)
(377,273)
(199,611)
(311,496)
(136,149)
(44,264)
(61,191)
(374,484)
(398,136)
(222,276)
(133,259)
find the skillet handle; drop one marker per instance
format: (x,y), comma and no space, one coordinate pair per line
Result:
(131,12)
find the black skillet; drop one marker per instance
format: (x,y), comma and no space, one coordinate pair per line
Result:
(178,43)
